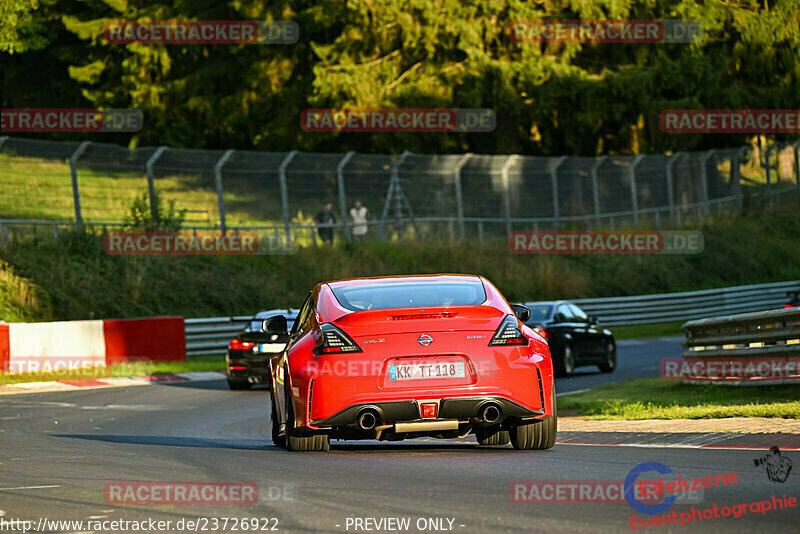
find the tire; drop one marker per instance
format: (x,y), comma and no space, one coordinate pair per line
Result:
(278,439)
(611,359)
(303,441)
(492,436)
(565,365)
(239,385)
(538,435)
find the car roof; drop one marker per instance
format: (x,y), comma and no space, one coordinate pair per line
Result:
(403,278)
(290,313)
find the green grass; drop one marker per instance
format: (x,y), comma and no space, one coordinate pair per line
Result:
(201,363)
(654,398)
(648,330)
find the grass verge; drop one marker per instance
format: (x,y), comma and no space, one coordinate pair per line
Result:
(201,363)
(647,330)
(654,398)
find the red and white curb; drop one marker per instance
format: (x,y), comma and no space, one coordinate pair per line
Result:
(71,385)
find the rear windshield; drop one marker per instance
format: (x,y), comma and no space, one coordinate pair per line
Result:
(410,295)
(539,312)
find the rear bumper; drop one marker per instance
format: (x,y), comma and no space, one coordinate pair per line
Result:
(243,367)
(407,411)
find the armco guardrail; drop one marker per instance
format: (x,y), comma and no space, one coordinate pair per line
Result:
(748,348)
(667,307)
(769,333)
(211,335)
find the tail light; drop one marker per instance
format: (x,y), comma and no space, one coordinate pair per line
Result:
(508,333)
(334,341)
(238,344)
(789,306)
(542,332)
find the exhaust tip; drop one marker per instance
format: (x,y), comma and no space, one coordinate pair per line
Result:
(367,420)
(490,413)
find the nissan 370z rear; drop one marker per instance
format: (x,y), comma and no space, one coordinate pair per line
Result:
(393,358)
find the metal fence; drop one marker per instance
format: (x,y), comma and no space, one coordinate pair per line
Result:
(456,196)
(667,307)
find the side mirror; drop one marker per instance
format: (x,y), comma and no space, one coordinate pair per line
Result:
(592,320)
(275,325)
(522,312)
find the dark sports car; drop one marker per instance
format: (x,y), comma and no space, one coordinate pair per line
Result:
(574,337)
(391,358)
(248,352)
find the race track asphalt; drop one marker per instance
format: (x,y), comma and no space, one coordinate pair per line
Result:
(59,450)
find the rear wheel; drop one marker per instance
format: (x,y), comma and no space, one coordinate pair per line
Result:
(565,365)
(237,385)
(492,436)
(302,441)
(611,359)
(538,435)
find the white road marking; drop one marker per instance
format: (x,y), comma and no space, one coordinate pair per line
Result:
(28,487)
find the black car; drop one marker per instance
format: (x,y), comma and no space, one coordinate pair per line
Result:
(574,337)
(249,352)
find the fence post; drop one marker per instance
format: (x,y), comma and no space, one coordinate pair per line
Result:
(670,194)
(285,194)
(342,198)
(796,147)
(704,179)
(459,196)
(151,188)
(736,162)
(766,164)
(76,195)
(218,181)
(394,183)
(506,194)
(595,190)
(634,196)
(554,182)
(480,232)
(3,139)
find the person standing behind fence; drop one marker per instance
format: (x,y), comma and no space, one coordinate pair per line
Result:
(325,221)
(359,214)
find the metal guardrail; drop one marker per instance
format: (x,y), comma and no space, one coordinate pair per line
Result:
(769,333)
(745,349)
(212,335)
(667,307)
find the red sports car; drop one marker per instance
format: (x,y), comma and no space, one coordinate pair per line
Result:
(409,356)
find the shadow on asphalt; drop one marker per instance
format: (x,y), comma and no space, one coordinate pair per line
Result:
(266,445)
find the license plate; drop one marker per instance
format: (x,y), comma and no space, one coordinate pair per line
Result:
(426,371)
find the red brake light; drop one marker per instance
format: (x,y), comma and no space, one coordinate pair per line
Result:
(788,306)
(238,344)
(508,333)
(542,332)
(334,341)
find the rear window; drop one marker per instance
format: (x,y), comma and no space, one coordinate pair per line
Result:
(539,312)
(410,295)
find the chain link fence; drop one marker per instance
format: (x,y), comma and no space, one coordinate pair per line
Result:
(453,196)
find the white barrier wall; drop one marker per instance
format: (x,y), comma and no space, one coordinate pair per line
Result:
(56,346)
